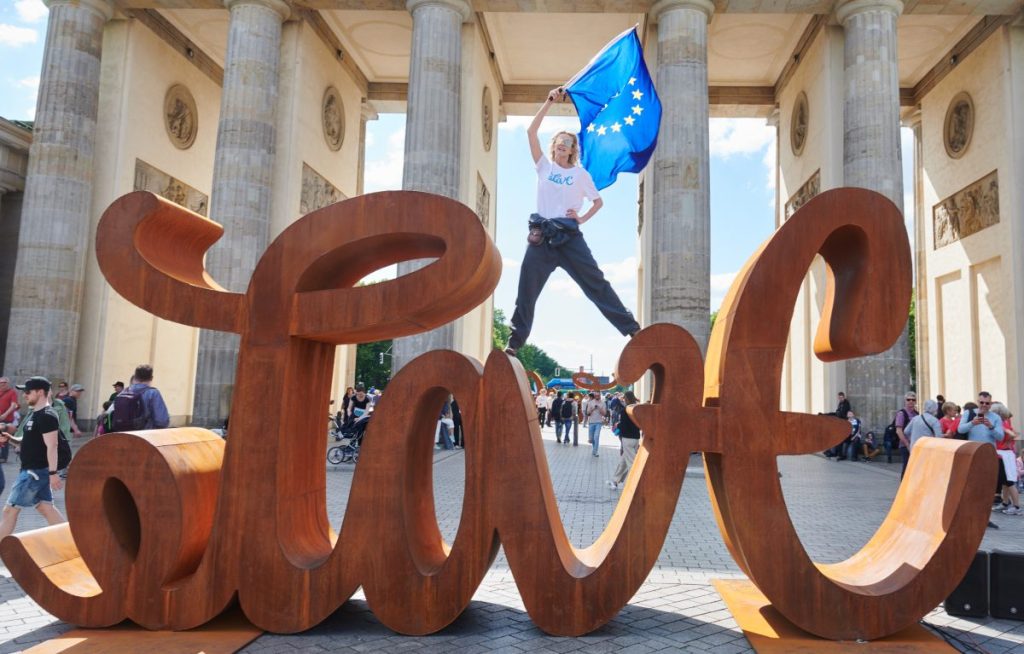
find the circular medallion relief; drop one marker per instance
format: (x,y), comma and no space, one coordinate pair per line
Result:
(181,120)
(487,118)
(959,125)
(798,124)
(333,118)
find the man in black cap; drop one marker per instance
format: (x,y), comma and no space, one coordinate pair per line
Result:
(38,477)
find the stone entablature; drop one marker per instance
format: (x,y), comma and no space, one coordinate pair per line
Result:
(15,140)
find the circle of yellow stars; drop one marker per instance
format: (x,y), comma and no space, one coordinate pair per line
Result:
(637,111)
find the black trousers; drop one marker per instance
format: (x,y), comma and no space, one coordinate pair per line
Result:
(575,258)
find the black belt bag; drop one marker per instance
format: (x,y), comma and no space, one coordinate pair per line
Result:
(553,231)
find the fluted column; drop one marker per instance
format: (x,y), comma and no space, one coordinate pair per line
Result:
(366,114)
(242,181)
(680,218)
(53,240)
(432,130)
(872,159)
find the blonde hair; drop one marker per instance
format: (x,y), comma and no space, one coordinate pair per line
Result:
(574,155)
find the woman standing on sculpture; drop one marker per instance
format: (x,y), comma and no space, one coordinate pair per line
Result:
(555,239)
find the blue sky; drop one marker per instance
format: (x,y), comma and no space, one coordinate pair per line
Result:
(567,326)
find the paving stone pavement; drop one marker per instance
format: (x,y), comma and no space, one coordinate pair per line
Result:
(836,506)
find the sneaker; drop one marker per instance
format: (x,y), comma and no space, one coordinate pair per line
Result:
(992,525)
(1000,507)
(593,454)
(511,351)
(614,485)
(1012,510)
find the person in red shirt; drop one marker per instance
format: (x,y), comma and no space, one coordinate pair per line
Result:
(8,407)
(949,420)
(1008,462)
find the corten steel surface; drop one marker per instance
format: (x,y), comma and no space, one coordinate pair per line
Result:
(538,383)
(227,633)
(160,537)
(770,633)
(589,382)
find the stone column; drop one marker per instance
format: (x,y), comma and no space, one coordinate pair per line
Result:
(432,130)
(872,159)
(50,271)
(680,219)
(921,226)
(366,114)
(242,175)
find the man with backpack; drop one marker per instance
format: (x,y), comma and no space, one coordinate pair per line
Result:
(556,414)
(140,406)
(900,422)
(44,452)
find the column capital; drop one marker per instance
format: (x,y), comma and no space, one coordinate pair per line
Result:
(367,112)
(913,119)
(773,117)
(662,7)
(282,8)
(854,7)
(461,7)
(103,7)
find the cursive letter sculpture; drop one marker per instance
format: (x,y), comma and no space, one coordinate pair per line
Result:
(168,527)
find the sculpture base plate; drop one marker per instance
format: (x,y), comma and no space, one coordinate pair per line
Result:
(768,632)
(227,634)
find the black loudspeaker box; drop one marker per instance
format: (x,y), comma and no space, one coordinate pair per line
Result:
(970,598)
(1006,581)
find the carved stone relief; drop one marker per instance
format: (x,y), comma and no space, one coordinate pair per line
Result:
(487,118)
(181,119)
(969,210)
(958,127)
(154,180)
(798,124)
(333,119)
(483,201)
(317,192)
(810,188)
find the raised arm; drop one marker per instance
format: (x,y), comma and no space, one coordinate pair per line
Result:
(554,95)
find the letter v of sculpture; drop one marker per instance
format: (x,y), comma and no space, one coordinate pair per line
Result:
(166,533)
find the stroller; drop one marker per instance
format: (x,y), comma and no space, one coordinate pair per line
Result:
(351,435)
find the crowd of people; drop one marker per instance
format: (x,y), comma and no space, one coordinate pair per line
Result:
(568,410)
(984,420)
(40,430)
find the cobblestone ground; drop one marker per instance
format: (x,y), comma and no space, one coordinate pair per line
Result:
(836,506)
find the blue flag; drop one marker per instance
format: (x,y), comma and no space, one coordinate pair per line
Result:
(619,110)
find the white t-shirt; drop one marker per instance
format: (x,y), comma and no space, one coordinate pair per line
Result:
(560,189)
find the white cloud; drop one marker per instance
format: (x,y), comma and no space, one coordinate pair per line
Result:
(30,11)
(14,37)
(385,174)
(31,82)
(509,264)
(745,136)
(720,284)
(565,286)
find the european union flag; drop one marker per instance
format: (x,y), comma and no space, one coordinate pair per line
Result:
(619,110)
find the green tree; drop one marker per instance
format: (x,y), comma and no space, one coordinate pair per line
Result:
(531,356)
(912,340)
(369,368)
(500,331)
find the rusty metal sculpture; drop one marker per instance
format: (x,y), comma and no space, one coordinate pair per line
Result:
(538,383)
(589,382)
(168,528)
